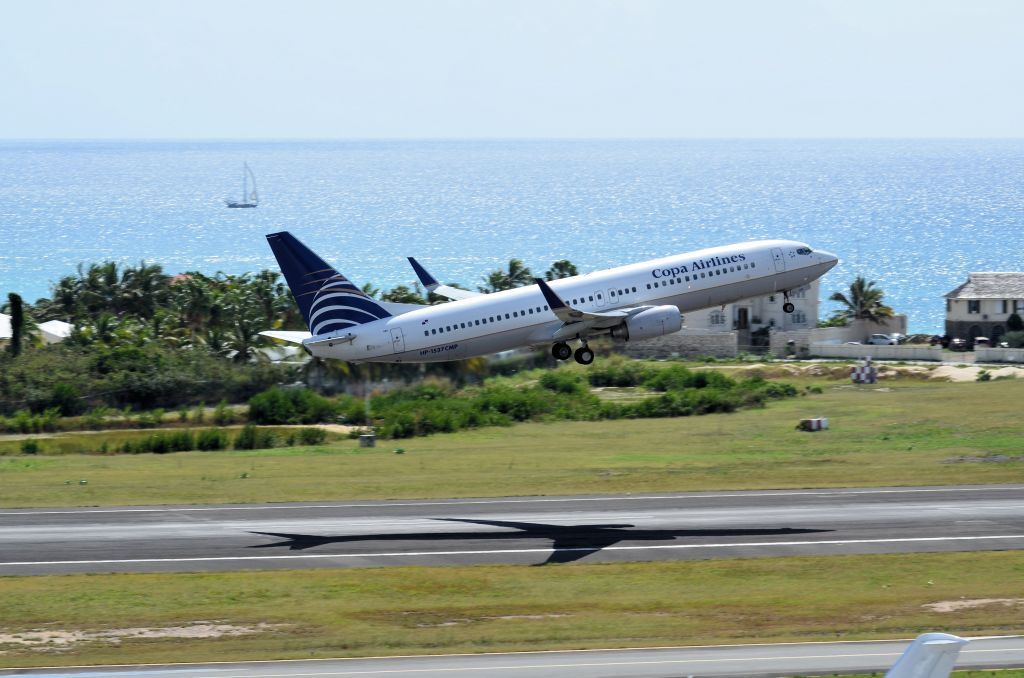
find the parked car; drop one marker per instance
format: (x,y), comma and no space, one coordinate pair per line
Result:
(982,342)
(884,339)
(957,345)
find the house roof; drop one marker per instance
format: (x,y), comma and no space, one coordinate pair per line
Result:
(991,285)
(56,330)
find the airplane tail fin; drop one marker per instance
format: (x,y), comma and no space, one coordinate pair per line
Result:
(931,655)
(328,300)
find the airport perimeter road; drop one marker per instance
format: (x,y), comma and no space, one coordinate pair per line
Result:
(512,530)
(734,660)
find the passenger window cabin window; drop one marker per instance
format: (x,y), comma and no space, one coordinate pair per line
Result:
(426,333)
(530,311)
(433,331)
(648,285)
(515,314)
(634,289)
(546,306)
(598,296)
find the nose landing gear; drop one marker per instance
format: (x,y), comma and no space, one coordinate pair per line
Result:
(787,307)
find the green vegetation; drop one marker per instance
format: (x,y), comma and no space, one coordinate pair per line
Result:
(902,432)
(863,301)
(164,441)
(391,611)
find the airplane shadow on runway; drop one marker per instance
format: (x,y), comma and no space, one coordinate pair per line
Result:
(570,542)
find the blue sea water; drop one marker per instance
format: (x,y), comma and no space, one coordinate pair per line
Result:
(915,216)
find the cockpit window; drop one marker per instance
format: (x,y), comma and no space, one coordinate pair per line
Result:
(803,250)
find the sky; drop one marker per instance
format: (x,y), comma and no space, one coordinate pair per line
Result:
(341,69)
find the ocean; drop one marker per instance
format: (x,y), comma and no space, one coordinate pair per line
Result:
(914,216)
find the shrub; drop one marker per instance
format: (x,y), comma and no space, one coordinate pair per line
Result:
(30,447)
(210,439)
(252,438)
(563,381)
(290,406)
(223,415)
(312,436)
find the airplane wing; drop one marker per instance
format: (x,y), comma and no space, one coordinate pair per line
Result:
(286,335)
(430,282)
(567,314)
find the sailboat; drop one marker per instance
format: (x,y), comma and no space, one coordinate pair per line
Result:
(249,199)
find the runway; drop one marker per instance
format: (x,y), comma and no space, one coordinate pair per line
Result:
(731,660)
(518,530)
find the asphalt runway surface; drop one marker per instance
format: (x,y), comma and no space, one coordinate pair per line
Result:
(526,531)
(731,660)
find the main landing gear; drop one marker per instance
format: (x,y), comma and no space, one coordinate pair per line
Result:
(787,307)
(583,355)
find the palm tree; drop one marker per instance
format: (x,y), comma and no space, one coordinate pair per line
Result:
(864,302)
(517,275)
(563,268)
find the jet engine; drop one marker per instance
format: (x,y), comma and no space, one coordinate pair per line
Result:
(650,323)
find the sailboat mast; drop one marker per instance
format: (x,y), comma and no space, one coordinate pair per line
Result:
(245,179)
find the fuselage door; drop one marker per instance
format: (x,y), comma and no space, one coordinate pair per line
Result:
(780,263)
(398,340)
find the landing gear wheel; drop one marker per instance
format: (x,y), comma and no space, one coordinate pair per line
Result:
(788,307)
(561,351)
(583,355)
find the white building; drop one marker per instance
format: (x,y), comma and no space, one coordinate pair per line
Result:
(51,332)
(981,306)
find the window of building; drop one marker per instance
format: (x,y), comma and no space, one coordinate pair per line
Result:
(1006,305)
(973,306)
(799,317)
(717,318)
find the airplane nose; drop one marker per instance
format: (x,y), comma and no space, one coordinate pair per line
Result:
(827,258)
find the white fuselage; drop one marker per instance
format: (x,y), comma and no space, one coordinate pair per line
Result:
(520,317)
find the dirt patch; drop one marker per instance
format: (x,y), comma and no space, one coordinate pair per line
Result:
(57,640)
(971,372)
(957,605)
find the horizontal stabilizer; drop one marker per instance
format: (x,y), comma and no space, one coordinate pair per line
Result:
(931,655)
(285,335)
(430,282)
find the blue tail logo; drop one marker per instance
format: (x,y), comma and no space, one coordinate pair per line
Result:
(328,300)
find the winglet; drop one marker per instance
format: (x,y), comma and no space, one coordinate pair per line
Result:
(931,655)
(427,280)
(562,310)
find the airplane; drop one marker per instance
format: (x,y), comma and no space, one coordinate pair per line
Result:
(629,303)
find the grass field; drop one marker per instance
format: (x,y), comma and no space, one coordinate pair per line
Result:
(390,611)
(896,433)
